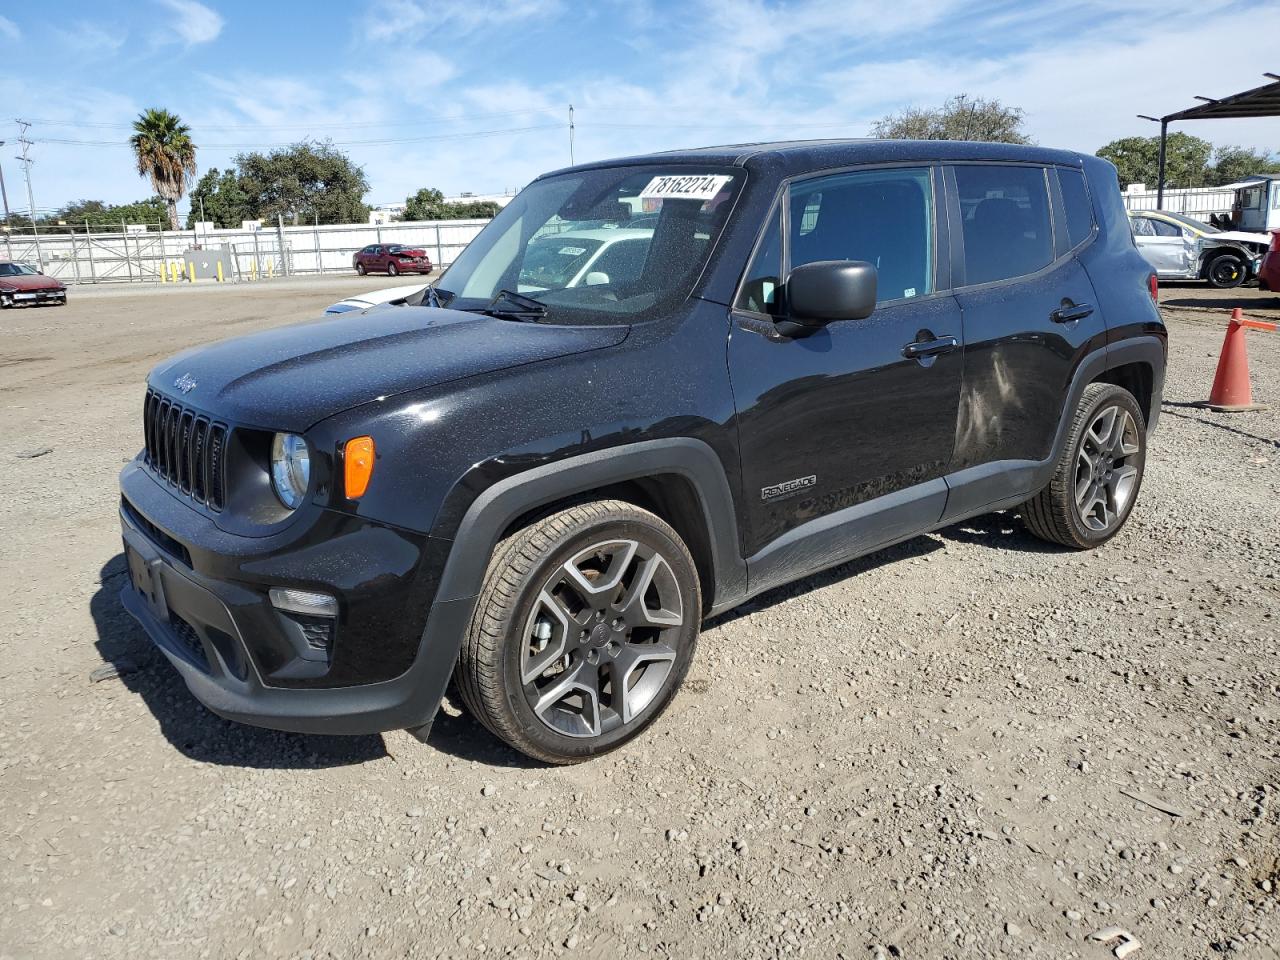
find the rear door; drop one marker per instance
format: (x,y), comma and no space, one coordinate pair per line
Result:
(1030,315)
(1164,246)
(857,419)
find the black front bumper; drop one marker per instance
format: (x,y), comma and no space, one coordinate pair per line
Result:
(201,595)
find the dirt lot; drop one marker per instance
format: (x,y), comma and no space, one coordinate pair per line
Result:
(969,745)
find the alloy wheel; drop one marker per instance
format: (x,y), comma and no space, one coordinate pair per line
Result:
(599,644)
(1107,468)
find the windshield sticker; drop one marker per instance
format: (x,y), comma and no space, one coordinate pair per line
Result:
(684,187)
(572,251)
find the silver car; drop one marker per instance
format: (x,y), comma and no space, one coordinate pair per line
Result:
(1184,248)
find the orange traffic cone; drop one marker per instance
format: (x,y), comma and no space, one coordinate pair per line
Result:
(1231,391)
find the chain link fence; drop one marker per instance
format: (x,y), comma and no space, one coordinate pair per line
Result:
(121,256)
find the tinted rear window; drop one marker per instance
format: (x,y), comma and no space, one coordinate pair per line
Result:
(1005,210)
(1076,199)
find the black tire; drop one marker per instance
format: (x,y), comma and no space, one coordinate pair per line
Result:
(1057,514)
(360,269)
(501,648)
(1225,271)
(392,270)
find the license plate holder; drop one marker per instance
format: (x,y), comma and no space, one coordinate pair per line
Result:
(144,574)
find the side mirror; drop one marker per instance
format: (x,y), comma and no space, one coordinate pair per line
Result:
(827,290)
(596,278)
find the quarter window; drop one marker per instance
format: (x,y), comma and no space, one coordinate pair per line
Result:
(1076,200)
(884,217)
(761,290)
(1005,216)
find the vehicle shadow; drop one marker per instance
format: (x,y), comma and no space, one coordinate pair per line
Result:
(1247,304)
(998,531)
(185,723)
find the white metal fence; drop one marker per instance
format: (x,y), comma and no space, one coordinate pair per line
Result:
(270,251)
(1197,202)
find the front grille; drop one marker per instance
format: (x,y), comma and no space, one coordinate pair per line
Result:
(186,448)
(187,637)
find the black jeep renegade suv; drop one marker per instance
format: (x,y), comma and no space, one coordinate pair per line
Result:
(650,389)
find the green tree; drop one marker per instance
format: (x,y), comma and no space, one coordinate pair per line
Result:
(72,218)
(221,198)
(1232,164)
(960,118)
(303,182)
(429,204)
(165,154)
(1137,160)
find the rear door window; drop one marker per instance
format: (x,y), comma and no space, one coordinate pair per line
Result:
(884,217)
(1163,228)
(1005,217)
(1075,197)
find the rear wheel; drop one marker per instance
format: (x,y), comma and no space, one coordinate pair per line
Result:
(392,269)
(1097,478)
(1226,270)
(585,627)
(360,269)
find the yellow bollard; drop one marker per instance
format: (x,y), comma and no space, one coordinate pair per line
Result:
(271,269)
(219,265)
(191,270)
(173,270)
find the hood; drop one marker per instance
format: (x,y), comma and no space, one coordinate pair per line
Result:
(293,377)
(1239,236)
(25,281)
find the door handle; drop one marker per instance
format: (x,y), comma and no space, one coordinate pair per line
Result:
(1071,312)
(929,348)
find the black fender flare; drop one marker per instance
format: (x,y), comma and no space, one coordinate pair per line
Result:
(493,511)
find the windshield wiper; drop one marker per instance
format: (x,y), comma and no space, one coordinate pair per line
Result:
(515,306)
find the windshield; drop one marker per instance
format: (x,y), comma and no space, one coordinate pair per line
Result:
(598,246)
(1191,222)
(553,262)
(16,270)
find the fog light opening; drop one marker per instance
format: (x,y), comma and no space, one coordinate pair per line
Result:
(304,602)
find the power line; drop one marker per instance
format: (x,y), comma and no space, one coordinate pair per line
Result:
(340,125)
(384,141)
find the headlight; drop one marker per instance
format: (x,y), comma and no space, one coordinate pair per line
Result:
(290,468)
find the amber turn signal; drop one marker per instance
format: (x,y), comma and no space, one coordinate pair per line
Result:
(357,458)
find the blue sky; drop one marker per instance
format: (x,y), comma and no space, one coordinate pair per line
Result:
(474,95)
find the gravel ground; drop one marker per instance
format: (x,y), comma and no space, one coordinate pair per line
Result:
(969,745)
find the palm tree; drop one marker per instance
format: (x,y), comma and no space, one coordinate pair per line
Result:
(164,151)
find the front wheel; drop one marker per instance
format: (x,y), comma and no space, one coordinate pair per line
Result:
(584,629)
(1225,271)
(392,270)
(1097,478)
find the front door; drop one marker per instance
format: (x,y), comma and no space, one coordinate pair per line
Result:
(846,433)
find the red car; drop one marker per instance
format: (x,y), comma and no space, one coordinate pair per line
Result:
(391,259)
(21,285)
(1269,272)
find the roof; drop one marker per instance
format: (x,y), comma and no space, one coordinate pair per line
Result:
(791,157)
(1261,101)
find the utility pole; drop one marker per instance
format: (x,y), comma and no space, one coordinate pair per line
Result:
(5,197)
(31,203)
(571,134)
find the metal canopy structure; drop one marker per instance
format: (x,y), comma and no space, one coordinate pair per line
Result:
(1261,101)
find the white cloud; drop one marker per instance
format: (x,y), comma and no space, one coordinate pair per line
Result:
(193,22)
(89,39)
(395,19)
(9,29)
